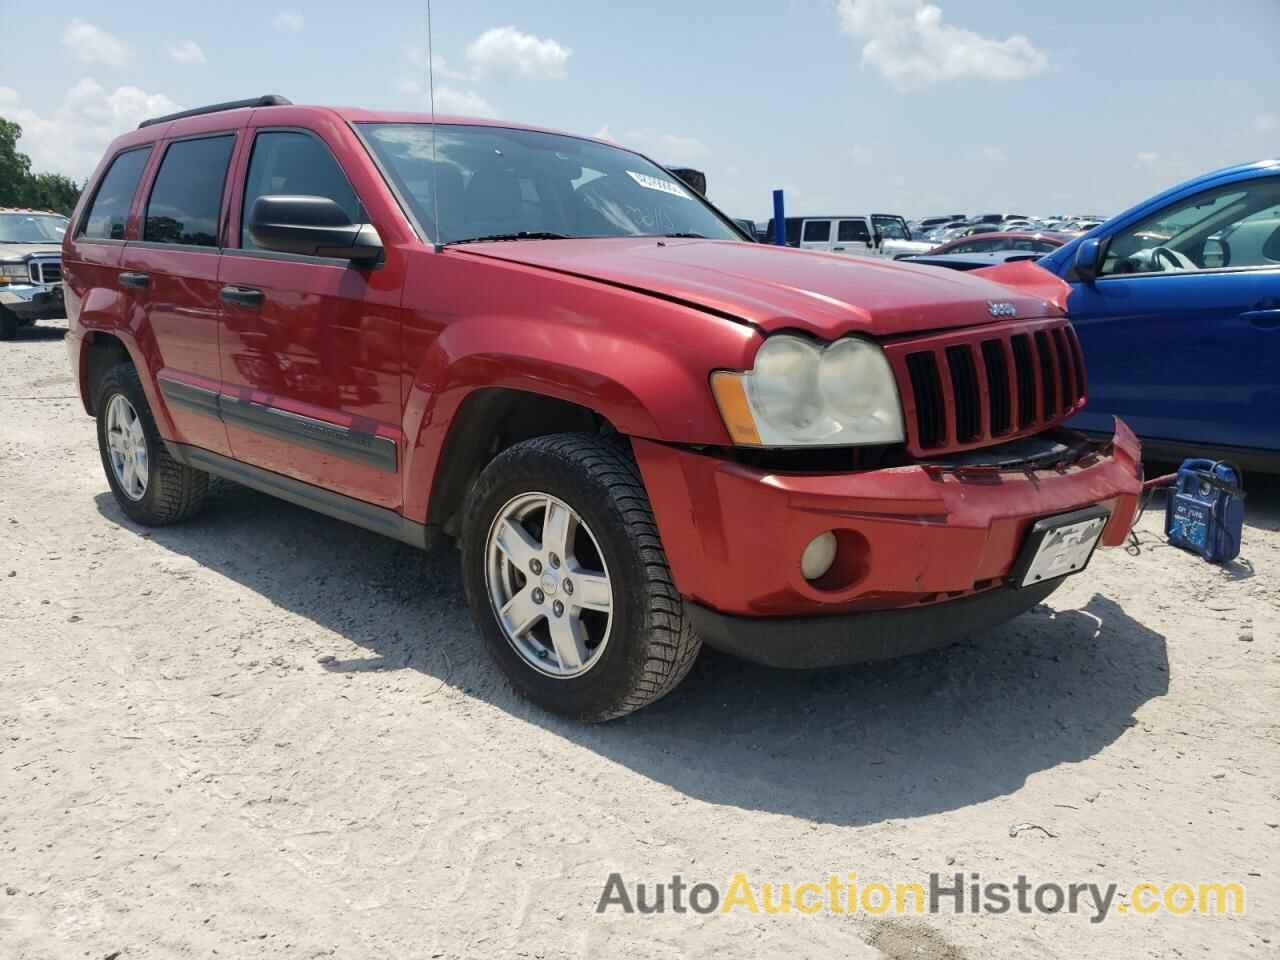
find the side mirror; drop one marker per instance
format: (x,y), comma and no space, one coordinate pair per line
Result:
(1087,262)
(312,227)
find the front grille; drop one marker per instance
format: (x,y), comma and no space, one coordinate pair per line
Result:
(45,271)
(970,388)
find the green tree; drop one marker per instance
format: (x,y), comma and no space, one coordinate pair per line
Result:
(51,191)
(19,187)
(15,167)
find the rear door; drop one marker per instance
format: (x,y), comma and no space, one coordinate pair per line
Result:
(815,235)
(171,276)
(91,258)
(1181,331)
(310,345)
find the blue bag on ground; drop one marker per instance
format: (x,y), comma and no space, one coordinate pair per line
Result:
(1205,512)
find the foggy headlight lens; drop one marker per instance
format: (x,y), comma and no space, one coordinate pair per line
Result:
(799,393)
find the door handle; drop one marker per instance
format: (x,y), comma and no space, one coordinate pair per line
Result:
(134,280)
(1264,319)
(242,296)
(838,249)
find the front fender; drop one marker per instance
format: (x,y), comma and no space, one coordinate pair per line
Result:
(641,363)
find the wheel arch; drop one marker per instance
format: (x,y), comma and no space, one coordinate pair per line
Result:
(488,421)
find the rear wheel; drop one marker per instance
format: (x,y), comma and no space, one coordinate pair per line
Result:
(8,325)
(151,487)
(567,579)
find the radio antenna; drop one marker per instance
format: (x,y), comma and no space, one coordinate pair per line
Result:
(438,239)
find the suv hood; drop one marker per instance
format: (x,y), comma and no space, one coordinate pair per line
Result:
(777,288)
(20,251)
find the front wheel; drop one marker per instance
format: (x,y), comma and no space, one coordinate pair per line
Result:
(568,582)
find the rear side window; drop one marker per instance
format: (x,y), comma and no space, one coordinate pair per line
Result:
(110,209)
(852,230)
(817,231)
(187,196)
(287,163)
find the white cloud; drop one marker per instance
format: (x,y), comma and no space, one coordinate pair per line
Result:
(452,95)
(907,42)
(508,50)
(71,138)
(187,51)
(995,156)
(1146,158)
(463,103)
(288,21)
(659,145)
(90,44)
(860,155)
(1266,122)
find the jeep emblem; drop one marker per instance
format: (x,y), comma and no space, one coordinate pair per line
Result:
(999,308)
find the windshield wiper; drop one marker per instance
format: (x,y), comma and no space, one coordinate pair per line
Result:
(686,236)
(522,235)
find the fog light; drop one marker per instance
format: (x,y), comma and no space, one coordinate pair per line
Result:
(818,556)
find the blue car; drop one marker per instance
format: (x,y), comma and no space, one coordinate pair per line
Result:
(1177,306)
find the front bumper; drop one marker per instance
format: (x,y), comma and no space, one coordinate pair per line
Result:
(33,301)
(907,536)
(807,643)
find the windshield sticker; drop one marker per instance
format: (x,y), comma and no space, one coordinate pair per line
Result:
(657,183)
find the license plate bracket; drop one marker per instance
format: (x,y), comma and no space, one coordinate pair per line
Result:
(1058,546)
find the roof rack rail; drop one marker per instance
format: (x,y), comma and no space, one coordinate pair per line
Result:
(269,100)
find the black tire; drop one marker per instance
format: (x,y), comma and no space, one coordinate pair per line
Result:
(651,645)
(174,491)
(8,325)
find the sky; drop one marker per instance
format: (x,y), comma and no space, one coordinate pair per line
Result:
(850,106)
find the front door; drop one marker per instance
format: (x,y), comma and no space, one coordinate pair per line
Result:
(310,345)
(171,274)
(1181,330)
(853,238)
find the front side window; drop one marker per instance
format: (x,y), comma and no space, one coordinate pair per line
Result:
(32,228)
(285,162)
(891,228)
(1196,234)
(817,231)
(477,181)
(110,209)
(186,199)
(852,231)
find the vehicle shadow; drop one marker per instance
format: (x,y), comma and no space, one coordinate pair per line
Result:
(36,332)
(860,745)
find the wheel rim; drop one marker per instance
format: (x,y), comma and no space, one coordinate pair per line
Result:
(549,585)
(127,448)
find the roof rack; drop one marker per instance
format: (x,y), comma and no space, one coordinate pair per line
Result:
(269,100)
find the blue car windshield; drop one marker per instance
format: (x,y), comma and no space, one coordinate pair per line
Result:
(476,182)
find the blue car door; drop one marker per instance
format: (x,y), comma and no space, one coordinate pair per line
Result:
(1181,327)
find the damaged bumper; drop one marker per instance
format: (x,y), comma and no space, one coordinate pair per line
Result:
(945,536)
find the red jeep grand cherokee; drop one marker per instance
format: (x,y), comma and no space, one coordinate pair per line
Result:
(644,431)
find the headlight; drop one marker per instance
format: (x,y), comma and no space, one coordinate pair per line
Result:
(799,393)
(15,271)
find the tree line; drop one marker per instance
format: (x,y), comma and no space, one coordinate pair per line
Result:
(19,187)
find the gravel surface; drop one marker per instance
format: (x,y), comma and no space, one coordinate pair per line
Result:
(268,734)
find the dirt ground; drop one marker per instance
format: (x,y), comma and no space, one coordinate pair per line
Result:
(268,734)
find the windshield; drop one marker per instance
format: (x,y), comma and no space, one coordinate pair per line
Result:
(517,184)
(32,228)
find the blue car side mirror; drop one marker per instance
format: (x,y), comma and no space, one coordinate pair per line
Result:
(1086,263)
